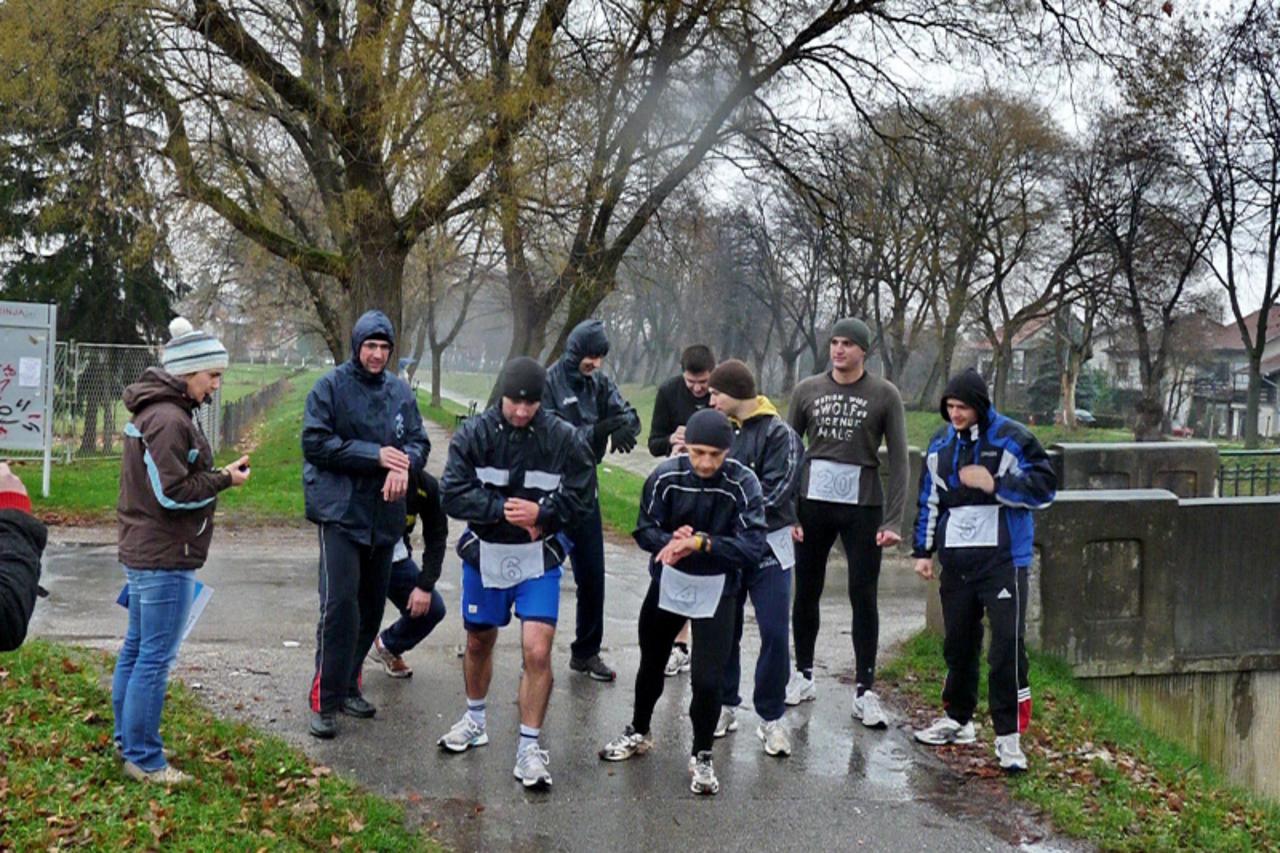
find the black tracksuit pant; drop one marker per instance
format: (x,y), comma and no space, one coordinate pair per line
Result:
(712,639)
(353,592)
(1000,591)
(856,527)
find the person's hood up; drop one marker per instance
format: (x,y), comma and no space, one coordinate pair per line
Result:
(968,387)
(156,386)
(372,324)
(588,338)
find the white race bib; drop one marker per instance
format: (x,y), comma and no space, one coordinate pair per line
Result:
(504,566)
(835,482)
(783,547)
(401,552)
(973,526)
(692,596)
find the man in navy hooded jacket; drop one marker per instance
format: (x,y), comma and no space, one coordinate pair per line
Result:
(983,476)
(361,435)
(579,393)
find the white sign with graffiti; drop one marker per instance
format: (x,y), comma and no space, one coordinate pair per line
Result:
(27,338)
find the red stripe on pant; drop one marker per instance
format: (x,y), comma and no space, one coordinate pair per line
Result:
(1024,715)
(315,694)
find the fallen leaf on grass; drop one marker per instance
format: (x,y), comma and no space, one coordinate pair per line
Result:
(356,825)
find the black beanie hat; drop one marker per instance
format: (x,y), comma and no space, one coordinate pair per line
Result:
(969,388)
(523,379)
(734,378)
(709,427)
(855,330)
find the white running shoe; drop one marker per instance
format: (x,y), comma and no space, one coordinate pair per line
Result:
(945,730)
(531,768)
(800,689)
(867,708)
(728,721)
(777,740)
(464,735)
(677,662)
(704,775)
(629,743)
(1009,753)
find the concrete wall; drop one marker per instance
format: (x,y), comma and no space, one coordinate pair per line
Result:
(1230,718)
(1172,608)
(1189,469)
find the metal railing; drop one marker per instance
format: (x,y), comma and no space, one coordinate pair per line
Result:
(1255,478)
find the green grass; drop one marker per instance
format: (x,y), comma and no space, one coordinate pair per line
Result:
(241,380)
(62,787)
(1095,771)
(922,425)
(619,498)
(88,490)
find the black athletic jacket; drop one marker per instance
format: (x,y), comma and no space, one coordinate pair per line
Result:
(584,401)
(728,507)
(423,501)
(490,461)
(775,454)
(22,540)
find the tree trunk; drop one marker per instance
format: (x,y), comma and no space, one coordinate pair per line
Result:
(1003,354)
(789,362)
(1150,416)
(377,275)
(1070,379)
(437,372)
(1253,400)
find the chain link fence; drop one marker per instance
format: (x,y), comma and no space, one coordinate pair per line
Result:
(89,382)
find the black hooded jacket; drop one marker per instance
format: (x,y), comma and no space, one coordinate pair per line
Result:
(490,461)
(584,401)
(350,416)
(423,501)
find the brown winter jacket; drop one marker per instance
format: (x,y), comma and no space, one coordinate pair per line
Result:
(168,486)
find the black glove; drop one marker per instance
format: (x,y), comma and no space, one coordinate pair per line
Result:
(604,427)
(624,441)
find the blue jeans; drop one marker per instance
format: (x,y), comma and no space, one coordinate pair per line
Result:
(159,600)
(769,587)
(407,631)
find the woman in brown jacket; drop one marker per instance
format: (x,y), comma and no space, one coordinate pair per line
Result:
(168,490)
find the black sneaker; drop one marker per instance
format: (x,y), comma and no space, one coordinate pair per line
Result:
(324,725)
(357,706)
(593,666)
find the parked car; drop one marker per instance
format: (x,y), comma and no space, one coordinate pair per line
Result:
(1084,417)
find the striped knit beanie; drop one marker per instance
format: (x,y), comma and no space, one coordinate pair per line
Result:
(191,351)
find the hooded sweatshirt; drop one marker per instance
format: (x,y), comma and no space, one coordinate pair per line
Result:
(350,415)
(584,401)
(1024,481)
(772,450)
(168,485)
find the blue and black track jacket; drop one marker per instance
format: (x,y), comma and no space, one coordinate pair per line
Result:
(1025,481)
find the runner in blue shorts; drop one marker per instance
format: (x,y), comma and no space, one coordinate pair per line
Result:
(518,477)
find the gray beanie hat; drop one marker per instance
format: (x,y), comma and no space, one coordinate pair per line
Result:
(855,330)
(191,350)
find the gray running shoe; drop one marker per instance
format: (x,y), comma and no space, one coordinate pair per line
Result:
(777,740)
(728,721)
(629,743)
(464,735)
(704,775)
(531,768)
(867,709)
(945,730)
